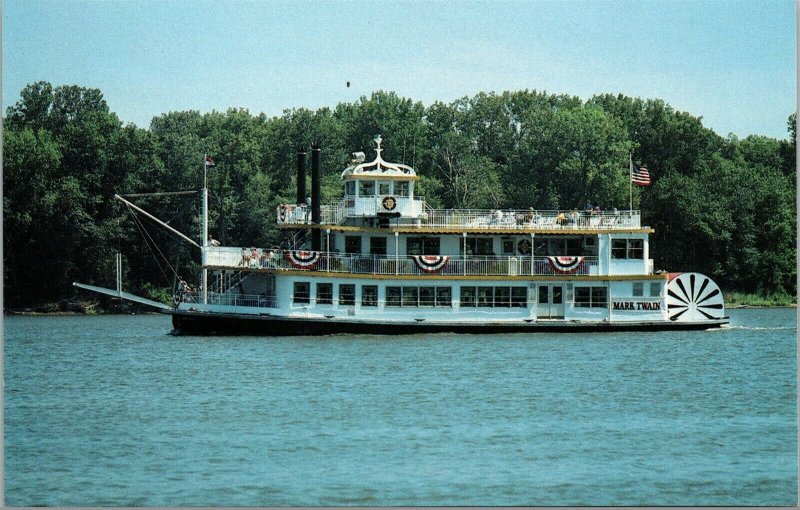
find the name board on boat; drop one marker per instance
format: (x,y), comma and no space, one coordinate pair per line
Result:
(636,305)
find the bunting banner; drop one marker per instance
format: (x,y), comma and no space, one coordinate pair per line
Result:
(565,265)
(302,259)
(430,263)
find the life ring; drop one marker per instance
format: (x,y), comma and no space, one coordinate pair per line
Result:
(282,212)
(389,203)
(524,246)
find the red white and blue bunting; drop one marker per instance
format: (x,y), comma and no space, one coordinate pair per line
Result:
(565,265)
(430,263)
(302,259)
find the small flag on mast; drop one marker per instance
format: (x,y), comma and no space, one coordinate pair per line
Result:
(639,175)
(209,161)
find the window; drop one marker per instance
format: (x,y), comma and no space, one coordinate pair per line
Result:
(599,297)
(619,248)
(350,188)
(366,188)
(347,294)
(627,248)
(635,249)
(377,246)
(324,293)
(499,297)
(352,244)
(410,296)
(467,296)
(591,297)
(508,246)
(427,296)
(393,296)
(655,289)
(543,295)
(502,297)
(302,292)
(444,296)
(384,188)
(401,188)
(519,297)
(480,246)
(422,246)
(369,295)
(638,289)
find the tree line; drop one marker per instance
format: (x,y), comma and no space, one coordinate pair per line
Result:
(723,206)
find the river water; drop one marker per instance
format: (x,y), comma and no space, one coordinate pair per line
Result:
(111,410)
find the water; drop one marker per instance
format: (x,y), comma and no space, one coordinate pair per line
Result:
(110,410)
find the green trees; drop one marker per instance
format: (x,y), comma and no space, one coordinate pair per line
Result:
(723,206)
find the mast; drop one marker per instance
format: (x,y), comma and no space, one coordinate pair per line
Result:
(630,182)
(204,278)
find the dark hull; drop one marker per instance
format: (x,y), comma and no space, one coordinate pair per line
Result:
(198,323)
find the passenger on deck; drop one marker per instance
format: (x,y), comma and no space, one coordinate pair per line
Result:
(561,219)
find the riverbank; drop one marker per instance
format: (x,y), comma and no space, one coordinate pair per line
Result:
(745,300)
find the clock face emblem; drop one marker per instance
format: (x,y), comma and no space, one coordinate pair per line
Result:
(389,203)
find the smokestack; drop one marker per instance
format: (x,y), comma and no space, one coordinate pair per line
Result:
(316,197)
(301,175)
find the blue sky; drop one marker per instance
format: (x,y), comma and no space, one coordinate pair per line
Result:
(730,61)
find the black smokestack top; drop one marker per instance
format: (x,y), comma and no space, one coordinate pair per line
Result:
(301,175)
(316,197)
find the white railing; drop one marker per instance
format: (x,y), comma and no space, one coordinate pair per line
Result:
(471,265)
(426,217)
(214,298)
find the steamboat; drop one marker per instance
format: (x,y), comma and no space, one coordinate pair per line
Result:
(382,261)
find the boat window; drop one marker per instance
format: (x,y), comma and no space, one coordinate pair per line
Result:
(384,188)
(635,248)
(543,294)
(324,293)
(410,296)
(392,296)
(366,188)
(444,296)
(302,292)
(591,297)
(655,289)
(422,246)
(427,296)
(627,248)
(619,248)
(599,297)
(350,188)
(467,296)
(508,247)
(369,295)
(485,296)
(502,297)
(479,246)
(558,296)
(519,297)
(638,289)
(352,245)
(401,188)
(347,294)
(377,246)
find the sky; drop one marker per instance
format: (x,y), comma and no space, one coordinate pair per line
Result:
(731,62)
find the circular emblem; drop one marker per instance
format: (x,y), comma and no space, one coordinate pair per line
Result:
(524,246)
(389,203)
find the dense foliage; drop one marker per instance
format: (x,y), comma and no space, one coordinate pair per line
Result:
(721,206)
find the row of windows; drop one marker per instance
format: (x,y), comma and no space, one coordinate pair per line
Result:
(483,296)
(620,248)
(367,188)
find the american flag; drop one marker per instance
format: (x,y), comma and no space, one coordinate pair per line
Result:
(639,175)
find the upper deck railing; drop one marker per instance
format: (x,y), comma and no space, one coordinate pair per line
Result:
(471,265)
(423,217)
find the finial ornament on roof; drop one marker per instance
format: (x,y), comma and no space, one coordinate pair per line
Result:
(378,164)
